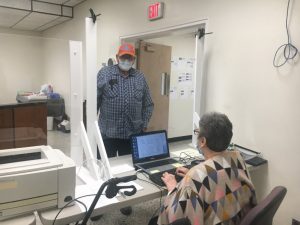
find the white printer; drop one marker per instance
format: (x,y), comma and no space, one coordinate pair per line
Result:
(34,178)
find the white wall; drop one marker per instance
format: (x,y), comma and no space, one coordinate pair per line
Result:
(179,108)
(56,68)
(28,60)
(20,64)
(261,101)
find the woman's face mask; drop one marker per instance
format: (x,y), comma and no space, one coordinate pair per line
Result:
(198,146)
(199,150)
(125,64)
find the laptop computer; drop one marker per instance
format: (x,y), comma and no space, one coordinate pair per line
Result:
(150,152)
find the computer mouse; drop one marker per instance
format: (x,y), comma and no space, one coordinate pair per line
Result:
(196,162)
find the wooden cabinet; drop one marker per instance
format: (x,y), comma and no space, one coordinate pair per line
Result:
(6,129)
(23,125)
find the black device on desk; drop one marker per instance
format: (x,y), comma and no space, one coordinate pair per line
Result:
(256,160)
(196,162)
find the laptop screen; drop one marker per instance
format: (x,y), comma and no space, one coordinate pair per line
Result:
(149,146)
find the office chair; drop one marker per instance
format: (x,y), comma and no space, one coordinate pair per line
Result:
(182,221)
(263,213)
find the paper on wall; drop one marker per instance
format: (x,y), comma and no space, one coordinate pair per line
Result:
(183,94)
(190,63)
(191,93)
(181,63)
(185,79)
(173,93)
(174,65)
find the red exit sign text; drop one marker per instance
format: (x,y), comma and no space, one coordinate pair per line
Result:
(155,11)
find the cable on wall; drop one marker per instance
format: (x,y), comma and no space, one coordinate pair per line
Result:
(289,50)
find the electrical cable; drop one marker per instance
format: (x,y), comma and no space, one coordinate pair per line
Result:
(110,184)
(289,50)
(161,194)
(74,200)
(84,208)
(159,187)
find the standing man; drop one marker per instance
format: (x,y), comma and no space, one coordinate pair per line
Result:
(124,101)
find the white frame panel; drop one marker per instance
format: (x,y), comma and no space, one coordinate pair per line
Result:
(200,53)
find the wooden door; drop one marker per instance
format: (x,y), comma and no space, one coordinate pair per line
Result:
(155,60)
(6,129)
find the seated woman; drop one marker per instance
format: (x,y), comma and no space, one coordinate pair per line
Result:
(216,191)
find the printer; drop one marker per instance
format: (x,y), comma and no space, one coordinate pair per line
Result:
(34,178)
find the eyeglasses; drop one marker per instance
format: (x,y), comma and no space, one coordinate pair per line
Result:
(196,131)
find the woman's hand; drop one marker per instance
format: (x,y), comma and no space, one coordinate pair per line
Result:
(182,171)
(169,180)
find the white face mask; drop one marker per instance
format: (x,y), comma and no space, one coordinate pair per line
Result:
(199,149)
(125,65)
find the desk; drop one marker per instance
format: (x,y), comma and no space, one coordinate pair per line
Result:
(74,213)
(22,220)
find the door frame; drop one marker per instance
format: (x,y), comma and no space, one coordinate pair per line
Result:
(200,60)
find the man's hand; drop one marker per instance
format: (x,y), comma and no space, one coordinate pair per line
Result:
(169,180)
(182,171)
(144,129)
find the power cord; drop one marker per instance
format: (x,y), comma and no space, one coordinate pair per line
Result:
(289,50)
(111,191)
(74,200)
(159,187)
(100,164)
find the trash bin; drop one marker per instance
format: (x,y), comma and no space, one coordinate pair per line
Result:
(49,122)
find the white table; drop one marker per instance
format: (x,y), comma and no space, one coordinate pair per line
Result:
(21,220)
(74,213)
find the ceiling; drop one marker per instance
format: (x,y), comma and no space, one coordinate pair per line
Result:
(35,15)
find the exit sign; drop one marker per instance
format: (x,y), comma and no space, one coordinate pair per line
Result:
(156,11)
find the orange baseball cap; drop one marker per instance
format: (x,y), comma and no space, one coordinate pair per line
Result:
(126,49)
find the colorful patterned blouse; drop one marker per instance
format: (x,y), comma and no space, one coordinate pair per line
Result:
(217,191)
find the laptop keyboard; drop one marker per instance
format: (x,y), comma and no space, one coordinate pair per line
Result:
(156,177)
(159,163)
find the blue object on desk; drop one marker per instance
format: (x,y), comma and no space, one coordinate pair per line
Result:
(54,96)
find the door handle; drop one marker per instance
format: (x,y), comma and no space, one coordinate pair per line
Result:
(165,84)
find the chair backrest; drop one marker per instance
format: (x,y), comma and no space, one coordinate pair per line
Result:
(182,221)
(263,213)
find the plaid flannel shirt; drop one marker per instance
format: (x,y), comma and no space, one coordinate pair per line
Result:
(125,102)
